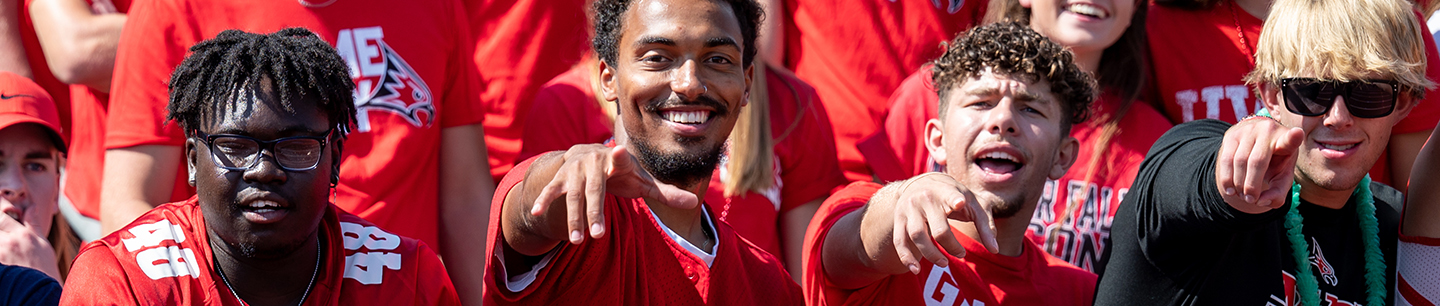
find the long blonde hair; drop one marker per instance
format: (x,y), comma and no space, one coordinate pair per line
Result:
(1342,40)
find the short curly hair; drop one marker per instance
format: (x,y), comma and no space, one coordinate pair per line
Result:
(609,14)
(1014,50)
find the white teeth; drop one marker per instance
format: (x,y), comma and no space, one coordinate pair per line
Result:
(690,117)
(1001,155)
(1337,148)
(1087,9)
(264,204)
(13,215)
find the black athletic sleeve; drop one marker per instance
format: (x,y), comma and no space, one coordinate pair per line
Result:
(26,286)
(1177,205)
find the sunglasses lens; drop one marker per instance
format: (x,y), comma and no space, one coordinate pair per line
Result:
(1308,97)
(1371,100)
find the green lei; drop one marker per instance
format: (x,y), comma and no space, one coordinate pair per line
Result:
(1305,282)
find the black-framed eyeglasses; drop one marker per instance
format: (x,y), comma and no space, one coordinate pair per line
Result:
(240,153)
(1363,98)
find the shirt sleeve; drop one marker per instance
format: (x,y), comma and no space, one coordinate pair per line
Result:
(811,168)
(817,287)
(462,102)
(151,45)
(1426,114)
(26,286)
(1179,206)
(1417,276)
(434,282)
(97,279)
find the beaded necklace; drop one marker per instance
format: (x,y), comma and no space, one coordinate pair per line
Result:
(1305,282)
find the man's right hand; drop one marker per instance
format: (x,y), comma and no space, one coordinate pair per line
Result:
(1256,164)
(913,217)
(587,172)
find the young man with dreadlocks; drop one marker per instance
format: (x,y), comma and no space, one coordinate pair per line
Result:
(265,119)
(417,159)
(1009,97)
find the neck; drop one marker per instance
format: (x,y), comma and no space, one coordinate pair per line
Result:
(280,281)
(688,223)
(1088,61)
(1009,232)
(1332,199)
(1258,8)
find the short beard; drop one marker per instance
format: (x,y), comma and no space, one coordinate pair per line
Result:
(1006,208)
(682,169)
(247,248)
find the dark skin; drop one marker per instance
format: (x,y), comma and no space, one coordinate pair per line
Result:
(285,248)
(672,53)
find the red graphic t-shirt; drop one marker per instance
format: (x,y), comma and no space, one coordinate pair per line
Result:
(413,77)
(164,258)
(1200,62)
(566,114)
(520,45)
(980,278)
(856,52)
(85,162)
(1075,233)
(637,263)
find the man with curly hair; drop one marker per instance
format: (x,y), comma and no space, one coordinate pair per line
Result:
(1008,97)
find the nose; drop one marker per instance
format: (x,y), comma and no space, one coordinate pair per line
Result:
(1000,120)
(266,170)
(686,80)
(13,190)
(1339,115)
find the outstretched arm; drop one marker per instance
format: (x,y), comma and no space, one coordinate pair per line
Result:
(901,220)
(1256,164)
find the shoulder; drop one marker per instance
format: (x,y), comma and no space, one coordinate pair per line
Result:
(1388,201)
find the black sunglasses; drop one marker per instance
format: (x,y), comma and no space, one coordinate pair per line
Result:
(1363,98)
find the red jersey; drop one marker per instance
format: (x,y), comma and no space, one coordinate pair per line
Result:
(1075,233)
(637,263)
(856,52)
(1417,279)
(1200,62)
(164,258)
(524,44)
(804,161)
(85,162)
(980,278)
(413,77)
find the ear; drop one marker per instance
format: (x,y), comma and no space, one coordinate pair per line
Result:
(607,82)
(1025,3)
(750,76)
(335,157)
(935,140)
(1064,157)
(1403,106)
(191,161)
(1270,96)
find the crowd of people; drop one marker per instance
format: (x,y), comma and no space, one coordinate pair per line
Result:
(724,152)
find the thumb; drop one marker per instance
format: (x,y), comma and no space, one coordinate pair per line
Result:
(621,163)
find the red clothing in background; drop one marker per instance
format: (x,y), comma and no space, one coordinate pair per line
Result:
(413,73)
(85,163)
(856,52)
(520,45)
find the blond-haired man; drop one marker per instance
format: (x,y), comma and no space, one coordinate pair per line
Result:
(1221,215)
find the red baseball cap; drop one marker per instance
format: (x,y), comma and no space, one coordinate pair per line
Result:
(23,101)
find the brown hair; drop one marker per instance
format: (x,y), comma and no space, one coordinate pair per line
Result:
(1012,49)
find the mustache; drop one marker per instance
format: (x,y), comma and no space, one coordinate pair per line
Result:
(655,105)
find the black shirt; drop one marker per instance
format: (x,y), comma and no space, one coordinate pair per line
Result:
(1176,242)
(26,286)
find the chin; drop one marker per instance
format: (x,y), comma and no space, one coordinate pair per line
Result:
(1332,180)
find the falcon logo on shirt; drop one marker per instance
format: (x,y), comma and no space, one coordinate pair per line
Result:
(383,80)
(1317,259)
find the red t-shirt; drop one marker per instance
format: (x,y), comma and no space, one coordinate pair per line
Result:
(85,161)
(856,52)
(1200,64)
(40,70)
(1081,237)
(636,263)
(520,45)
(804,160)
(1417,279)
(413,77)
(164,258)
(1033,278)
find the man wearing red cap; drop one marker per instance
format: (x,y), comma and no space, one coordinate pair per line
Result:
(30,147)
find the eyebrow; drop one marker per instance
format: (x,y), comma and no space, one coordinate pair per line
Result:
(654,40)
(1024,96)
(721,41)
(291,130)
(39,155)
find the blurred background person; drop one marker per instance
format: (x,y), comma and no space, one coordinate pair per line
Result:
(32,234)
